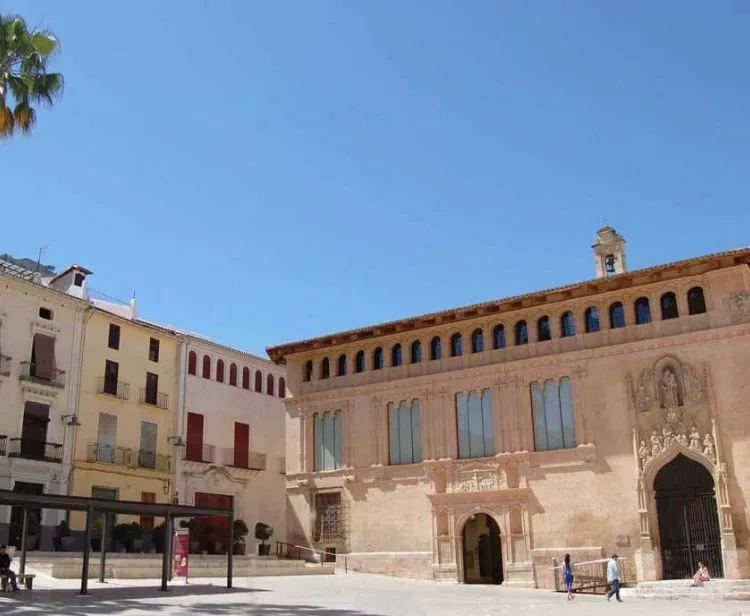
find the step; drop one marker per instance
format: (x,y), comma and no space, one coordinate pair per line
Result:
(715,590)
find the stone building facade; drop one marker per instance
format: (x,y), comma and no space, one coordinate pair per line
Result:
(481,443)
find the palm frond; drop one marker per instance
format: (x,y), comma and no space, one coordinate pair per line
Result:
(46,88)
(45,42)
(7,122)
(24,117)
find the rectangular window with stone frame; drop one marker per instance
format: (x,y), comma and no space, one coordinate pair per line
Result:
(553,415)
(475,425)
(405,432)
(329,452)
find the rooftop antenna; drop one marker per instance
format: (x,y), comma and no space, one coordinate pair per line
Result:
(42,250)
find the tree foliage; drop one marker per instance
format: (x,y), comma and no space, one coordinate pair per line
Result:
(25,82)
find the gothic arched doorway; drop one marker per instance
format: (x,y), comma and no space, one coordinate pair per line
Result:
(481,550)
(688,519)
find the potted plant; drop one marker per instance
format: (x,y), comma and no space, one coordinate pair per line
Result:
(240,531)
(62,540)
(96,534)
(263,533)
(121,537)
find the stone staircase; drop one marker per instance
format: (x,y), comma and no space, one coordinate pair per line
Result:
(66,565)
(715,590)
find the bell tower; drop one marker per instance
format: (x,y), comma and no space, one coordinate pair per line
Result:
(609,253)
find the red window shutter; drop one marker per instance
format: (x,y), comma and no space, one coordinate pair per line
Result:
(147,522)
(220,371)
(192,363)
(245,378)
(241,444)
(233,375)
(194,449)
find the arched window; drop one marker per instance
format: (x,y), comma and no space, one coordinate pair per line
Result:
(233,374)
(341,365)
(669,308)
(359,361)
(457,348)
(568,324)
(616,315)
(325,368)
(206,367)
(436,350)
(246,377)
(258,382)
(269,384)
(498,337)
(696,301)
(308,372)
(522,333)
(592,320)
(642,311)
(416,352)
(377,358)
(282,387)
(220,371)
(477,341)
(543,331)
(396,358)
(192,363)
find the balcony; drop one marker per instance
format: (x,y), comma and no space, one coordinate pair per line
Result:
(31,449)
(5,364)
(3,444)
(200,453)
(51,377)
(151,460)
(107,454)
(154,398)
(250,460)
(110,387)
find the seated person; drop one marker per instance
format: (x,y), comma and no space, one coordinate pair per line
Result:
(5,568)
(701,575)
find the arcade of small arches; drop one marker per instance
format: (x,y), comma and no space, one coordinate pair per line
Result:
(220,377)
(696,304)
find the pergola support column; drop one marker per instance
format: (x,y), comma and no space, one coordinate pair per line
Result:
(24,531)
(87,551)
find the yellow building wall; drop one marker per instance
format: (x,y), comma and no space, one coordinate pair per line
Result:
(133,360)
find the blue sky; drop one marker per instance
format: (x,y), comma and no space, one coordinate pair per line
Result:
(264,171)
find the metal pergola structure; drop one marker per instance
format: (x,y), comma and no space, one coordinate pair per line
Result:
(96,506)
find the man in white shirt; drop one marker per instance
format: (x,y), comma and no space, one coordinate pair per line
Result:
(613,577)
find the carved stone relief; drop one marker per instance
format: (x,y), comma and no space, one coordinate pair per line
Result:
(479,481)
(738,303)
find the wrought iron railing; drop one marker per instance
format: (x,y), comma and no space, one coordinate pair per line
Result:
(3,444)
(151,460)
(251,460)
(32,449)
(5,364)
(53,377)
(107,454)
(300,552)
(591,576)
(154,398)
(119,389)
(200,453)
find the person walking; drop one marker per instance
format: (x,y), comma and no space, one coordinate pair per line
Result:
(568,576)
(613,577)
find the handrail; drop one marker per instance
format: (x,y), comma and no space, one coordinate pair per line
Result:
(313,550)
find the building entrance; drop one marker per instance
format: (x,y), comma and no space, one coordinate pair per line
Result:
(482,550)
(688,519)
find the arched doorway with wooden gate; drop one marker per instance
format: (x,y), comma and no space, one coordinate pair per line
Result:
(482,553)
(689,529)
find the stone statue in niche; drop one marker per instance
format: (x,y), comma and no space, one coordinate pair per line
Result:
(655,443)
(670,397)
(682,437)
(694,389)
(695,439)
(643,454)
(708,448)
(666,432)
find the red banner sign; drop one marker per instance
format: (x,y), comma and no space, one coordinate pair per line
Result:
(181,553)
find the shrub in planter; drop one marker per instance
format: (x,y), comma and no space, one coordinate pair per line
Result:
(263,532)
(61,533)
(240,531)
(96,534)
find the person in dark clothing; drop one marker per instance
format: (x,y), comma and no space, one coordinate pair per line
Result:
(5,568)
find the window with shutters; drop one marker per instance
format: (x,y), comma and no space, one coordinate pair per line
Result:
(269,385)
(152,388)
(106,439)
(233,374)
(554,420)
(153,349)
(241,445)
(258,382)
(328,441)
(194,445)
(147,453)
(246,378)
(405,433)
(282,388)
(43,358)
(476,428)
(113,340)
(192,363)
(111,374)
(34,431)
(220,371)
(147,522)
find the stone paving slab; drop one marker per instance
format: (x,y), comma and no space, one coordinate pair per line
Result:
(340,595)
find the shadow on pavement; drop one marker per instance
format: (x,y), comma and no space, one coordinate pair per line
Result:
(123,600)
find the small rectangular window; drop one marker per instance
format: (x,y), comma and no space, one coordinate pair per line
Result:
(153,349)
(78,279)
(152,388)
(114,337)
(45,313)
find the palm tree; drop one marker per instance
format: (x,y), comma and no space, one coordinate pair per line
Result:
(24,80)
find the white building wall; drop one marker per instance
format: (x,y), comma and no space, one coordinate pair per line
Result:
(259,496)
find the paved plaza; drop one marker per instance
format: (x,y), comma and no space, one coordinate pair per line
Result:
(339,595)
